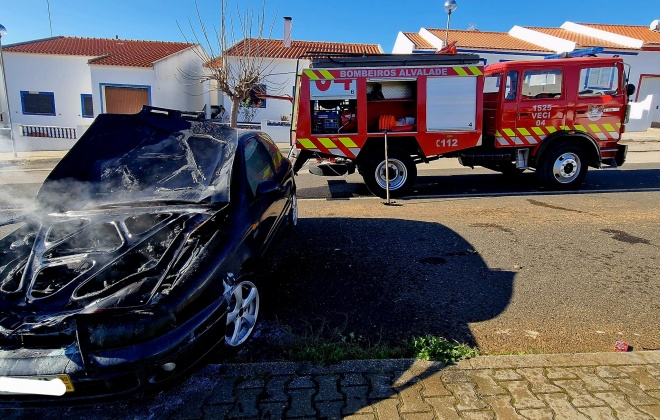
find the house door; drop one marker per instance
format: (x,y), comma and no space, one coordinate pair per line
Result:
(650,85)
(125,100)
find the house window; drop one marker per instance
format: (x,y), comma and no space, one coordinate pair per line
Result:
(87,105)
(38,103)
(253,100)
(251,106)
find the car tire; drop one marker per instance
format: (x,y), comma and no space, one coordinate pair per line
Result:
(242,313)
(403,173)
(563,167)
(292,217)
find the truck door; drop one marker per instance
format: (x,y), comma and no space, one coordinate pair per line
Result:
(542,105)
(601,102)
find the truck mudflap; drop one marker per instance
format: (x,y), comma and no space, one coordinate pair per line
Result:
(620,157)
(621,153)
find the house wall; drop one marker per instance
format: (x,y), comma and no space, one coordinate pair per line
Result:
(280,81)
(490,56)
(402,45)
(177,82)
(66,77)
(119,76)
(647,63)
(170,82)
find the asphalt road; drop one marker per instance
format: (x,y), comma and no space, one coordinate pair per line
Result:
(542,273)
(472,256)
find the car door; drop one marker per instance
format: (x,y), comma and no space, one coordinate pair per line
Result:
(264,196)
(283,175)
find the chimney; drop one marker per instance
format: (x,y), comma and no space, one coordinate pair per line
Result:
(287,32)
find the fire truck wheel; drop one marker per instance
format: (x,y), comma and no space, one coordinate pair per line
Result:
(401,170)
(563,167)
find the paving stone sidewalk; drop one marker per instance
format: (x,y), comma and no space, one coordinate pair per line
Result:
(564,386)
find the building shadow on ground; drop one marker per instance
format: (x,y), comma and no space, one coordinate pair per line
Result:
(384,280)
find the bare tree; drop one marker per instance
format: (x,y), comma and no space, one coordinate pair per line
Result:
(235,74)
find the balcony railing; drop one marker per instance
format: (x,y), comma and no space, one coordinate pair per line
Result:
(47,131)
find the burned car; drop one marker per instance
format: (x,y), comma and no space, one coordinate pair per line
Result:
(140,257)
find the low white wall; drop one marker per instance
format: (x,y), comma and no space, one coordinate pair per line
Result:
(279,131)
(29,144)
(640,115)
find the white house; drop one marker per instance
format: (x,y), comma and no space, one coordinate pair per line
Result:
(58,85)
(639,46)
(281,63)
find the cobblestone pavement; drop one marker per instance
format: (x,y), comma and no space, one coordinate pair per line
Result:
(562,386)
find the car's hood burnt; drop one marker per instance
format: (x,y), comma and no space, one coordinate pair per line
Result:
(59,266)
(143,157)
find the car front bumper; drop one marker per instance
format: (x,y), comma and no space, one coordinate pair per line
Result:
(119,372)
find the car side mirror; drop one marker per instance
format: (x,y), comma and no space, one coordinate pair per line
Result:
(630,89)
(267,186)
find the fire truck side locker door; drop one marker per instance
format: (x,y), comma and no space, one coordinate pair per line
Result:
(451,103)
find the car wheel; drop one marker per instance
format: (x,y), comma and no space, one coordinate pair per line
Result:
(242,313)
(293,212)
(563,167)
(400,169)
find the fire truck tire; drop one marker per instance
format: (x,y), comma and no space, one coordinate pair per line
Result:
(402,171)
(563,167)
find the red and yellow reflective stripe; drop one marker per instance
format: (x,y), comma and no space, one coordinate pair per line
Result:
(339,146)
(518,136)
(319,74)
(468,71)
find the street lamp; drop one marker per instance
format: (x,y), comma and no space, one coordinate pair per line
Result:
(450,6)
(3,32)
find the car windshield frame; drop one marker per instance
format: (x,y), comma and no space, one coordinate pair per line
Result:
(143,158)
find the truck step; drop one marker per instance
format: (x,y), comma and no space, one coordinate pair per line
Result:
(479,158)
(331,169)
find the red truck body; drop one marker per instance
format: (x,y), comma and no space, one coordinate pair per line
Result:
(554,116)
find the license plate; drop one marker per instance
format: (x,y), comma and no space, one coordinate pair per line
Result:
(53,385)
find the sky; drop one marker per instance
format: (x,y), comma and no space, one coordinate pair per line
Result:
(359,21)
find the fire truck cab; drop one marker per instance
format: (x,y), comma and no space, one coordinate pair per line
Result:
(557,117)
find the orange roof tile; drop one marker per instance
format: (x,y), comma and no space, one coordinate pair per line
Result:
(581,40)
(110,52)
(274,48)
(420,43)
(489,40)
(650,38)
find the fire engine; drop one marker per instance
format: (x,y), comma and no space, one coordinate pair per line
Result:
(557,117)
